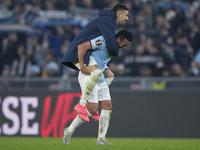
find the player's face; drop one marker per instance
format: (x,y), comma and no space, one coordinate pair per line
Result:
(122,17)
(123,44)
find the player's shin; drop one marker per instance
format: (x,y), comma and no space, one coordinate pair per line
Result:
(104,123)
(75,124)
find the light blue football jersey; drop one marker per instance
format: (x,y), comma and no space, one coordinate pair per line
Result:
(100,54)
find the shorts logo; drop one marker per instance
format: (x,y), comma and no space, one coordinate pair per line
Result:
(98,42)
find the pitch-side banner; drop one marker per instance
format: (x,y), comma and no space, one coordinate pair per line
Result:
(135,114)
(43,114)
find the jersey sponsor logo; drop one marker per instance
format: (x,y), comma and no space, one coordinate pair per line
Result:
(98,42)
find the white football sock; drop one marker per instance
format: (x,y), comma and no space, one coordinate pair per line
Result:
(109,80)
(77,122)
(104,121)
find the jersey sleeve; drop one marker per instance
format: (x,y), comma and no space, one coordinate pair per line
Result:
(97,43)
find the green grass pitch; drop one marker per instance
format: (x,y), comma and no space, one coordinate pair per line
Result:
(36,143)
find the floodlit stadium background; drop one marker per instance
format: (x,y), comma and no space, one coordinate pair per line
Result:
(156,88)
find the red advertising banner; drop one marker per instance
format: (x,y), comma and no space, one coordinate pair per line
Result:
(37,115)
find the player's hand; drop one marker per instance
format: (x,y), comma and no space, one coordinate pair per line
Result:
(84,70)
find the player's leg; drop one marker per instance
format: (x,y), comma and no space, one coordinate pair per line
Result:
(68,131)
(104,121)
(80,108)
(109,76)
(92,104)
(92,98)
(93,109)
(95,75)
(87,86)
(106,110)
(78,121)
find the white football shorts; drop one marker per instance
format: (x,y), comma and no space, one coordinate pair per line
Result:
(101,90)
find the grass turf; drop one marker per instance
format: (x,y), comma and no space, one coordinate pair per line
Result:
(36,143)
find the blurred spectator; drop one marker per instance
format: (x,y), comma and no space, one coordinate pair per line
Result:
(33,71)
(120,70)
(164,72)
(183,52)
(156,60)
(31,13)
(22,63)
(4,84)
(177,71)
(8,50)
(66,71)
(19,13)
(50,67)
(195,69)
(147,12)
(6,72)
(134,59)
(194,36)
(116,64)
(145,70)
(48,5)
(56,40)
(88,4)
(195,65)
(39,54)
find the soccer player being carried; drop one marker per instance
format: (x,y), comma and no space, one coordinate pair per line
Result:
(104,25)
(100,94)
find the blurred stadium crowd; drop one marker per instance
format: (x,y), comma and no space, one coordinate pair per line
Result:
(35,34)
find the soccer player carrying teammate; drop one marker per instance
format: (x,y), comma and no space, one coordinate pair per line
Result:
(100,93)
(104,25)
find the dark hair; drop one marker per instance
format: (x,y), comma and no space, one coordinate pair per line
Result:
(119,7)
(125,34)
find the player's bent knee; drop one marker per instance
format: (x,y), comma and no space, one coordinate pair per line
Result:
(92,108)
(96,74)
(107,105)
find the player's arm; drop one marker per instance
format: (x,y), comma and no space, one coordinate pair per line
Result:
(82,49)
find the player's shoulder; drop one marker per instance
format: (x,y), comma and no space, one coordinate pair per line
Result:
(98,42)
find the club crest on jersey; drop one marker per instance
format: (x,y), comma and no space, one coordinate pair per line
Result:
(98,42)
